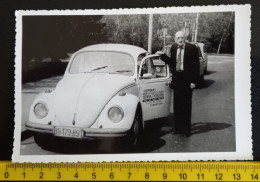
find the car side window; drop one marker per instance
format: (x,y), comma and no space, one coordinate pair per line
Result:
(159,67)
(153,68)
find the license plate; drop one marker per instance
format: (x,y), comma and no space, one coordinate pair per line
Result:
(68,132)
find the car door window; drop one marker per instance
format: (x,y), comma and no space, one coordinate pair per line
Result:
(153,68)
(160,68)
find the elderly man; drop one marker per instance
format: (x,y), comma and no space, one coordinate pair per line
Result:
(184,63)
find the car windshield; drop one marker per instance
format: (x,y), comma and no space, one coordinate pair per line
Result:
(102,62)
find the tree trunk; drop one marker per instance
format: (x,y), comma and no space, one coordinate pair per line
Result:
(220,42)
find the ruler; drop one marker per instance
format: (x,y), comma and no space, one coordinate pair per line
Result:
(131,171)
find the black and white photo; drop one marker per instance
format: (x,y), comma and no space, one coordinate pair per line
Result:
(133,85)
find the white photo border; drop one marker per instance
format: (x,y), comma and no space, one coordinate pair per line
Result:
(242,87)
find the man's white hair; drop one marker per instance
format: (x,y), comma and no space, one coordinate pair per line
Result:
(179,33)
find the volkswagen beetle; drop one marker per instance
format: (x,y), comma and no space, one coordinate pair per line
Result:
(108,90)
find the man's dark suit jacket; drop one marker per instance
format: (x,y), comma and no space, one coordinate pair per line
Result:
(191,63)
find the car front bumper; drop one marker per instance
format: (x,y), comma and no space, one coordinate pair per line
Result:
(88,132)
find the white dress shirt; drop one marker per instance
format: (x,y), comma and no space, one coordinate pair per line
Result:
(182,56)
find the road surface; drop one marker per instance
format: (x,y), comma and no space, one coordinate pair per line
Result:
(213,123)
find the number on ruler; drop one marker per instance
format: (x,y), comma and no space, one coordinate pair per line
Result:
(183,176)
(94,175)
(129,175)
(76,175)
(23,174)
(58,175)
(6,175)
(111,175)
(164,175)
(237,176)
(219,176)
(254,176)
(200,176)
(146,175)
(41,175)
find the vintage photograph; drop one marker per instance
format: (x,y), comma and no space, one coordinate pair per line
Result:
(131,85)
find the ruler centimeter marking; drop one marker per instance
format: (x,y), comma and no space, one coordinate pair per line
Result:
(131,171)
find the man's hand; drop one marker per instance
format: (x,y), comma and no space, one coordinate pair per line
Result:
(163,57)
(159,53)
(192,85)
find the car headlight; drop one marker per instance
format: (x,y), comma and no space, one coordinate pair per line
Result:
(41,110)
(115,114)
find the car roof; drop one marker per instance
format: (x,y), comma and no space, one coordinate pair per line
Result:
(130,49)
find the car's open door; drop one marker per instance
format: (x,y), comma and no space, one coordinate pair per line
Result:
(154,87)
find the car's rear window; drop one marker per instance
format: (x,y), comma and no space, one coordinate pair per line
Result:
(102,62)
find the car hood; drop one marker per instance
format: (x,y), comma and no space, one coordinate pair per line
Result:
(80,98)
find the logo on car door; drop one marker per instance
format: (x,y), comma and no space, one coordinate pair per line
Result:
(153,97)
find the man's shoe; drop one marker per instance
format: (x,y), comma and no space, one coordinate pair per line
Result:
(174,132)
(187,135)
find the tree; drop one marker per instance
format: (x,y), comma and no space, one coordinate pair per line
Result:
(133,29)
(52,38)
(55,36)
(219,28)
(127,29)
(216,27)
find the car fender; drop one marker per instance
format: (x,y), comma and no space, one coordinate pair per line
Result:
(128,103)
(46,98)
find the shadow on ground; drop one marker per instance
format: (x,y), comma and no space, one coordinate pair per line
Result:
(199,127)
(207,83)
(151,139)
(209,72)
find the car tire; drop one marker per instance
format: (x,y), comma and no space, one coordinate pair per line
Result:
(136,129)
(42,140)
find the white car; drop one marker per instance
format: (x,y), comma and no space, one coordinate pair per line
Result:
(108,90)
(203,57)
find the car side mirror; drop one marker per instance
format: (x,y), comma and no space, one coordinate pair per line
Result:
(147,76)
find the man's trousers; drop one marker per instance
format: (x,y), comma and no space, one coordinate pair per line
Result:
(182,103)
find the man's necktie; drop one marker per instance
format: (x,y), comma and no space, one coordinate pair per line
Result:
(178,61)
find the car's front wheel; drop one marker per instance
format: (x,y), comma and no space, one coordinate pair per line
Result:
(136,129)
